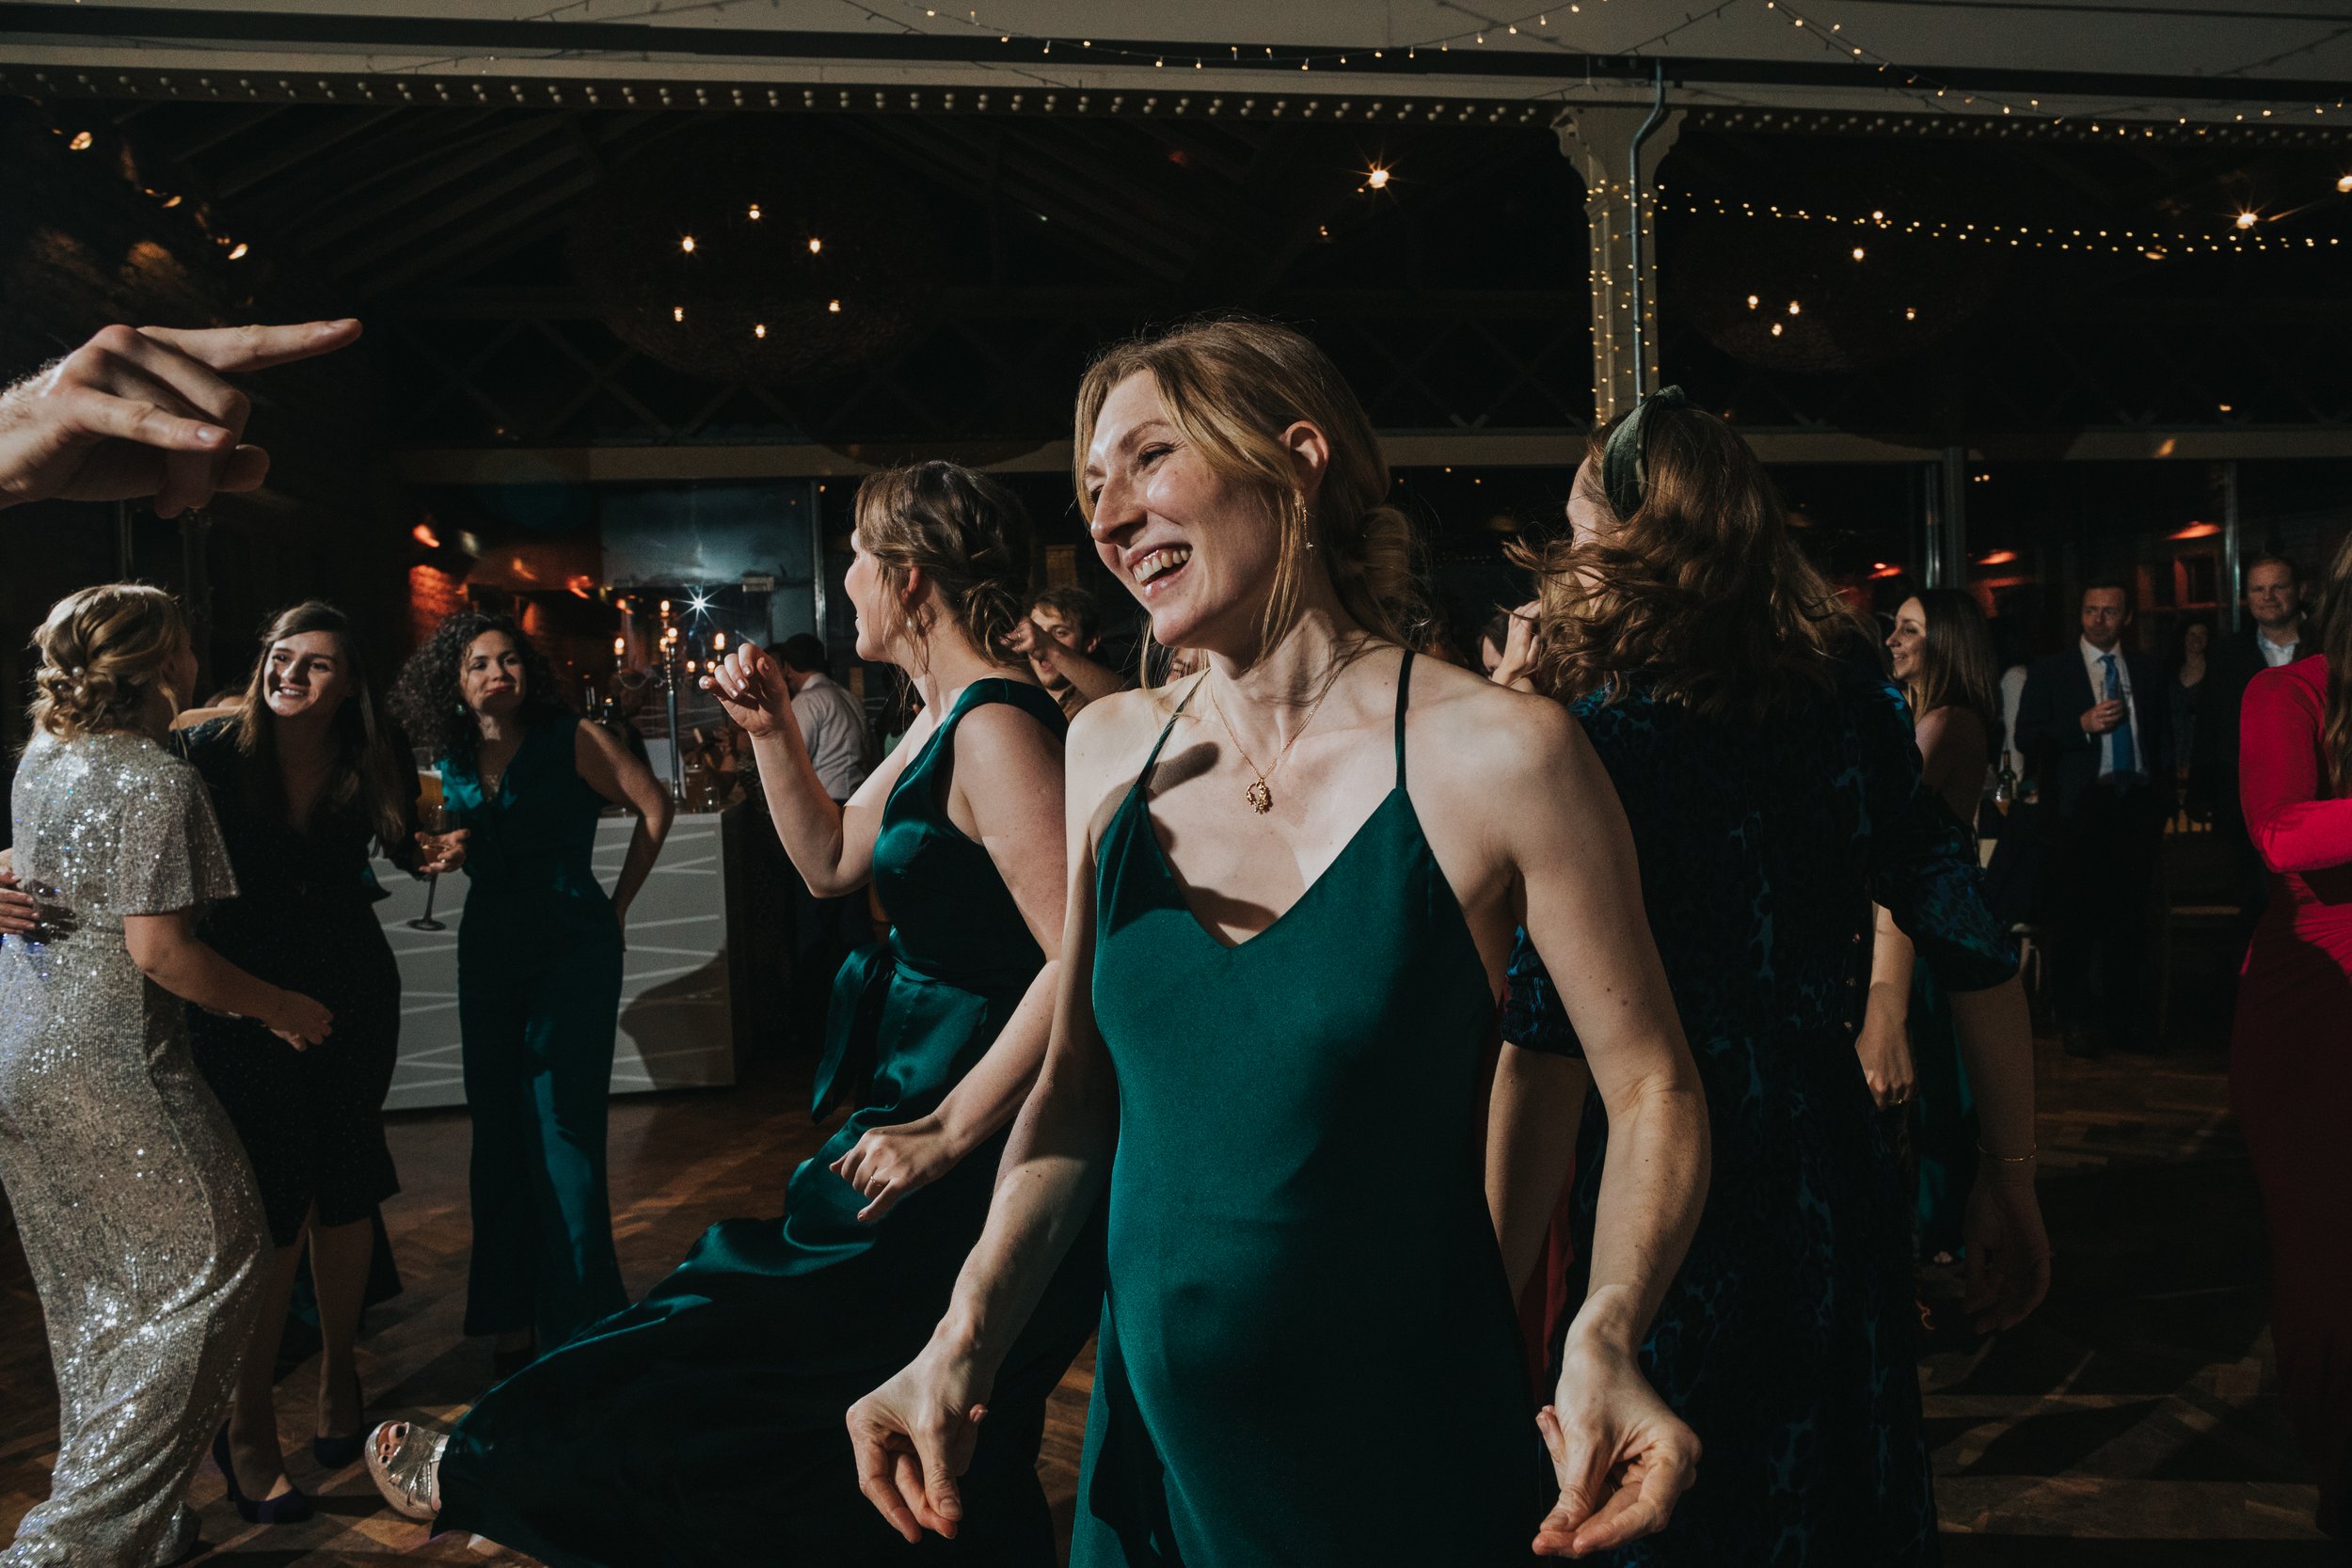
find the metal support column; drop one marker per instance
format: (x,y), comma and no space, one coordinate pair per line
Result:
(1613,148)
(1947,559)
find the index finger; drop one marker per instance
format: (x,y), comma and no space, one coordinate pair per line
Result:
(256,348)
(1635,1511)
(874,1480)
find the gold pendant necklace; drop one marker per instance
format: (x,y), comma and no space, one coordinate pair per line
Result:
(1261,795)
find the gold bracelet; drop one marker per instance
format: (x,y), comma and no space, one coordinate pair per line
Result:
(2010,1158)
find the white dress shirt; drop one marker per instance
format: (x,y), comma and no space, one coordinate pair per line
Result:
(834,725)
(2276,653)
(2094,662)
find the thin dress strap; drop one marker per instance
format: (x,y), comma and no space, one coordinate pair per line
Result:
(1143,780)
(1403,690)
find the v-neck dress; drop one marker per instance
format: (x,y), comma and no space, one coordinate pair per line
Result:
(702,1428)
(1306,1354)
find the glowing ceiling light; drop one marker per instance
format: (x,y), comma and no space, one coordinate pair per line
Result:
(754,211)
(815,245)
(1377,179)
(236,252)
(2246,221)
(687,244)
(81,142)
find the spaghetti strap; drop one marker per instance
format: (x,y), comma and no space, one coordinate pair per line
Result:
(1143,779)
(1403,690)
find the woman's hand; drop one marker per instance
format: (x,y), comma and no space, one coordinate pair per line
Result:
(914,1435)
(888,1162)
(443,852)
(1885,1047)
(2008,1252)
(750,687)
(1623,1459)
(1518,650)
(20,911)
(298,1020)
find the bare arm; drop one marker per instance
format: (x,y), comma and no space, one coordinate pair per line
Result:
(1885,1043)
(914,1435)
(165,948)
(613,771)
(1532,1122)
(830,846)
(1621,1457)
(1009,775)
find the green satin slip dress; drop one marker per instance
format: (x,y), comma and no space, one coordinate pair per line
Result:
(1308,1355)
(702,1428)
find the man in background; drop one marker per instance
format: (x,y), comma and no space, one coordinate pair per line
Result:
(2274,606)
(2094,727)
(841,749)
(1063,638)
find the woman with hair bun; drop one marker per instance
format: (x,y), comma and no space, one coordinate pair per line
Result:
(306,772)
(1768,772)
(704,1425)
(134,1202)
(538,968)
(1297,880)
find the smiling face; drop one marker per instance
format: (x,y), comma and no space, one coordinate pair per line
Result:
(2273,598)
(490,677)
(1908,638)
(1198,551)
(305,675)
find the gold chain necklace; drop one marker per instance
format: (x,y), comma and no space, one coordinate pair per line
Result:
(1261,797)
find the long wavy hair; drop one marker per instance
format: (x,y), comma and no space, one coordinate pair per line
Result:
(1956,666)
(372,775)
(427,698)
(1231,385)
(1702,591)
(965,533)
(2333,617)
(104,654)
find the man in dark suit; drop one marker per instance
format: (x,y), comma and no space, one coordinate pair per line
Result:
(2275,636)
(2093,725)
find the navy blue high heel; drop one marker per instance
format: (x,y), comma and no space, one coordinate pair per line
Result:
(290,1507)
(333,1453)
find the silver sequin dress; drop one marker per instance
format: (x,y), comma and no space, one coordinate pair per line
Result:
(134,1200)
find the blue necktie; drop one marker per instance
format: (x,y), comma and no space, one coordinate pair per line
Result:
(2119,737)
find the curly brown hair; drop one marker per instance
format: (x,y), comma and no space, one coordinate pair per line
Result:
(1702,591)
(104,652)
(427,701)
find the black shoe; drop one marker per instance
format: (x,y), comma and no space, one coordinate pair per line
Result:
(290,1507)
(334,1453)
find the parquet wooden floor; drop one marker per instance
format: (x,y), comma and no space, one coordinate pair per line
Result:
(2135,1420)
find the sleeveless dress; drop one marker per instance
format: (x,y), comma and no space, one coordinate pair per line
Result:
(1308,1353)
(704,1426)
(1786,1341)
(538,1003)
(133,1203)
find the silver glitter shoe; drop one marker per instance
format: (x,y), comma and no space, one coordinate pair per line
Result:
(411,1481)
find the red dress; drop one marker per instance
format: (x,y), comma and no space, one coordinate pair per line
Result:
(2291,1058)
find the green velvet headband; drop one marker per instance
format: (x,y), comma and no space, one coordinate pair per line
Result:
(1623,475)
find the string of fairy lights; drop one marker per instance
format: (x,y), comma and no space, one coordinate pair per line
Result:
(2154,245)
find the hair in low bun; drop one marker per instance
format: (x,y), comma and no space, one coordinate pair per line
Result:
(967,533)
(1233,385)
(105,653)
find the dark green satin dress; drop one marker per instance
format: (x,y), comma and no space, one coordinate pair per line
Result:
(704,1425)
(1308,1353)
(539,1006)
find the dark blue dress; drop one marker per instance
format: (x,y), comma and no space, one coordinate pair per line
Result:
(1786,1340)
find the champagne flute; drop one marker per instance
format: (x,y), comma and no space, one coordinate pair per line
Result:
(433,818)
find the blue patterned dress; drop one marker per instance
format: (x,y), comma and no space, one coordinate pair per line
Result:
(1786,1341)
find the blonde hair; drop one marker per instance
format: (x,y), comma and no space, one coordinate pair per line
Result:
(1233,385)
(104,652)
(965,533)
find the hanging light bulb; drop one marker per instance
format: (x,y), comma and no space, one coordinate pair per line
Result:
(1754,302)
(1857,253)
(236,252)
(81,142)
(2344,183)
(677,312)
(832,306)
(2246,221)
(754,211)
(1377,179)
(815,245)
(687,244)
(759,329)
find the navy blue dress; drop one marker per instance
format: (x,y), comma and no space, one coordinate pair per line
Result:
(1787,1341)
